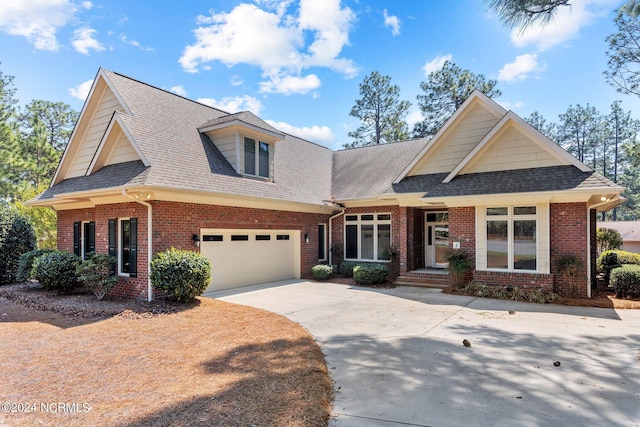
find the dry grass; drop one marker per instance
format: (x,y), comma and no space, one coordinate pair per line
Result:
(212,364)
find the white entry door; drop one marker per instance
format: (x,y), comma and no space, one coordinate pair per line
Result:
(436,228)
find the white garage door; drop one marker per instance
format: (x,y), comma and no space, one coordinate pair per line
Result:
(250,257)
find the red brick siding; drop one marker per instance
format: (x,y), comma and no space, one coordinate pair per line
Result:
(462,228)
(569,225)
(175,223)
(568,230)
(519,280)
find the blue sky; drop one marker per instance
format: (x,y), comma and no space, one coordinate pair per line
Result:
(298,64)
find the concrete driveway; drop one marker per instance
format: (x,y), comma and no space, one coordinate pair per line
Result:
(397,358)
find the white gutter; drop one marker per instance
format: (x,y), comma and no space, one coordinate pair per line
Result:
(149,240)
(331,234)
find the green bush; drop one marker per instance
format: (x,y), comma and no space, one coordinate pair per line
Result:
(609,260)
(321,271)
(370,273)
(182,274)
(16,238)
(26,263)
(56,270)
(625,281)
(95,273)
(346,268)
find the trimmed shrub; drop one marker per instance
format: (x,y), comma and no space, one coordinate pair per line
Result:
(346,268)
(459,265)
(182,274)
(608,239)
(609,260)
(625,281)
(370,273)
(56,270)
(321,271)
(16,238)
(26,263)
(95,273)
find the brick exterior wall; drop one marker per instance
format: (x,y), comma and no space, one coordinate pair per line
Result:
(175,223)
(569,225)
(568,229)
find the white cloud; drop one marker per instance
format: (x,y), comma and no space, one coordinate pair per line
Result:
(37,20)
(507,105)
(521,68)
(135,43)
(82,90)
(179,90)
(234,104)
(288,85)
(83,41)
(318,134)
(236,80)
(436,64)
(87,5)
(393,22)
(565,26)
(274,41)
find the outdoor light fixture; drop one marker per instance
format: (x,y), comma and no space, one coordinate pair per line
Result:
(196,240)
(603,199)
(306,237)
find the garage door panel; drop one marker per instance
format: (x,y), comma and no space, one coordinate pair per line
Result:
(249,257)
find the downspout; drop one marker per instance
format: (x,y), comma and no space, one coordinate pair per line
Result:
(149,240)
(331,234)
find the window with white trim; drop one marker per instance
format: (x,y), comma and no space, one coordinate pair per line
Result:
(256,158)
(322,242)
(367,237)
(511,238)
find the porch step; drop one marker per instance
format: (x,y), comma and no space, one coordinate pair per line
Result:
(424,278)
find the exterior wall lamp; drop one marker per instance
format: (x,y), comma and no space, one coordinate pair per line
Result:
(306,237)
(196,240)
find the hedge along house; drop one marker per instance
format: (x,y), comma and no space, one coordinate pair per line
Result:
(146,170)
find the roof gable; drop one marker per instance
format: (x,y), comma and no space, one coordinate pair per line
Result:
(514,144)
(116,146)
(101,103)
(457,137)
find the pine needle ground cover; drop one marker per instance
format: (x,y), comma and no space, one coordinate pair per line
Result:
(211,364)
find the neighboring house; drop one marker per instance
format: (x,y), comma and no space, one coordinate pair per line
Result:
(146,170)
(629,231)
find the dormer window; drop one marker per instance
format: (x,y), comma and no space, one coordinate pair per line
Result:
(256,158)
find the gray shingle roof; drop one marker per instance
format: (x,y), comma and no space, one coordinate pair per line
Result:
(368,171)
(243,116)
(553,178)
(165,127)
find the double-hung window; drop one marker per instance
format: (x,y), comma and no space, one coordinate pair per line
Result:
(256,158)
(367,237)
(123,245)
(511,238)
(84,238)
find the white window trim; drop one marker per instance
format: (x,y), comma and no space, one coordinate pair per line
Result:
(257,158)
(83,240)
(510,217)
(119,253)
(359,223)
(326,249)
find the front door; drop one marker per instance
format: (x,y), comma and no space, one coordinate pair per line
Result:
(437,239)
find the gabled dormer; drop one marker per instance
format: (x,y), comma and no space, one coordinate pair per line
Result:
(247,142)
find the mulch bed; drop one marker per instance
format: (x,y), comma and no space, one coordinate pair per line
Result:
(72,360)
